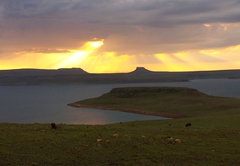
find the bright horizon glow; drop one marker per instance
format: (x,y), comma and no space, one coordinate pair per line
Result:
(88,59)
(41,60)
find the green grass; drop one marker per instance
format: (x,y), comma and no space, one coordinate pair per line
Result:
(213,138)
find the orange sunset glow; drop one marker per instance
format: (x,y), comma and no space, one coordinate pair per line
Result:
(108,62)
(166,38)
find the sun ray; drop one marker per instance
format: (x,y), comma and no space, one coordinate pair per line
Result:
(78,56)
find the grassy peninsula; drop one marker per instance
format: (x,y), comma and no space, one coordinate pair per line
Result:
(162,101)
(212,139)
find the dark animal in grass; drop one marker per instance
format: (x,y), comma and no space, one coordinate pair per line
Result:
(188,125)
(54,126)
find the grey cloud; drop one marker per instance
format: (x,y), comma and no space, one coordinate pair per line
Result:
(194,12)
(188,7)
(138,12)
(186,37)
(165,25)
(34,8)
(231,18)
(45,50)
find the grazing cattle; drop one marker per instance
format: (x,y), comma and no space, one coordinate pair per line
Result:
(188,124)
(54,126)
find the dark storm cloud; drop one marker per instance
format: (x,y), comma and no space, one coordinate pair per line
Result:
(174,13)
(155,9)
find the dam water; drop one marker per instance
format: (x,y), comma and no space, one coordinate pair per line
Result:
(44,104)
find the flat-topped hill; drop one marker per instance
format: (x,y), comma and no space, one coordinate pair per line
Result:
(155,91)
(162,101)
(141,71)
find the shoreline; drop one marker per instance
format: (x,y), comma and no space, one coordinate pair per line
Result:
(134,111)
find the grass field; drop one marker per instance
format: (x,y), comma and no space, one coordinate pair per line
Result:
(212,139)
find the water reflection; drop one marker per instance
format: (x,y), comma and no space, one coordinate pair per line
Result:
(95,116)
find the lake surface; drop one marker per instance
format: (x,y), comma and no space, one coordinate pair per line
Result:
(44,104)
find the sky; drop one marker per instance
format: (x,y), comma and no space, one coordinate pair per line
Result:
(108,36)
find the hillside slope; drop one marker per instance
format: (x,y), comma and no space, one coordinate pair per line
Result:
(163,101)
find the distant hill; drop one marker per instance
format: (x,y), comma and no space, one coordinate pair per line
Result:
(141,71)
(79,76)
(37,72)
(231,74)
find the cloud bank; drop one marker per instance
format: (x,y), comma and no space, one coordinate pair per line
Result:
(140,28)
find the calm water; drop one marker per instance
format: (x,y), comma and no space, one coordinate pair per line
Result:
(44,104)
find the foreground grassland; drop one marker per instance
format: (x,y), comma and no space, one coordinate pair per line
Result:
(212,139)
